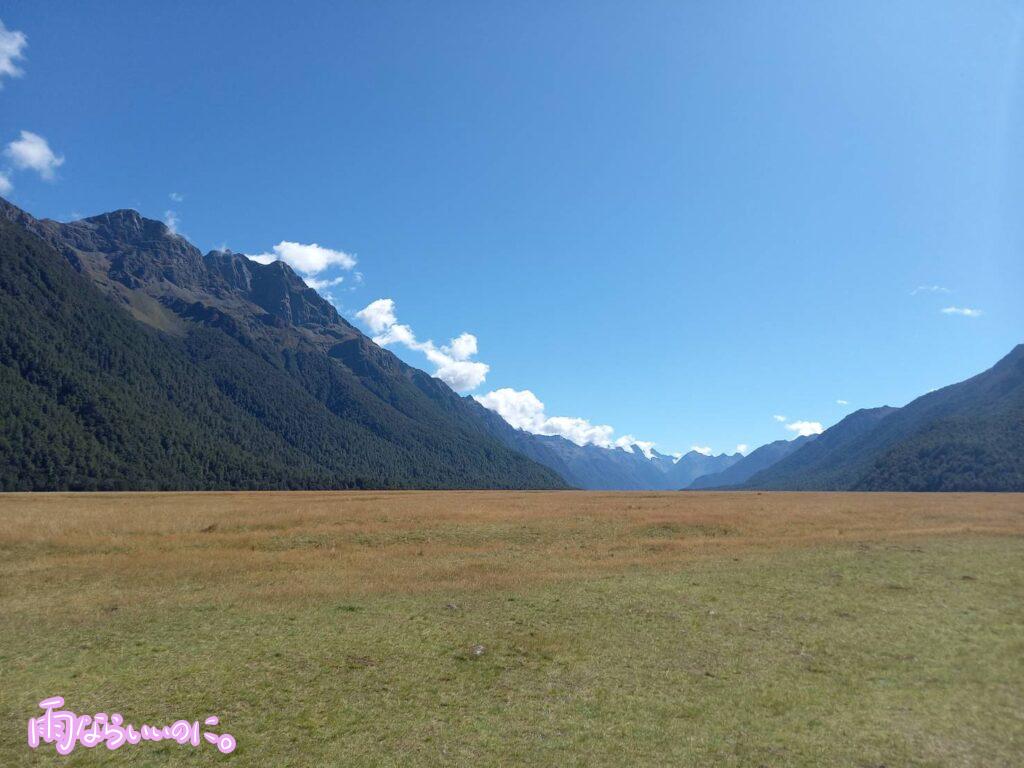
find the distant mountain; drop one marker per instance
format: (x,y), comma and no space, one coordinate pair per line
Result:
(757,460)
(129,360)
(964,437)
(694,465)
(822,461)
(594,468)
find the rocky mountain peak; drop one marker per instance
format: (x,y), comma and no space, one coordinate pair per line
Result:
(278,290)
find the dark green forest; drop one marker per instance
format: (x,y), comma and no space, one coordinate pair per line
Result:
(960,453)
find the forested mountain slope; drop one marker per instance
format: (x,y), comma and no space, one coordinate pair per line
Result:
(128,360)
(965,437)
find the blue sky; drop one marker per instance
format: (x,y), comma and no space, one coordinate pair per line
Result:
(676,219)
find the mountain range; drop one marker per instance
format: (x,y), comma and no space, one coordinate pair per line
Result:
(748,466)
(628,469)
(129,360)
(965,437)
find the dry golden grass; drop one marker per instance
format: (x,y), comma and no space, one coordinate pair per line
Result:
(285,546)
(618,628)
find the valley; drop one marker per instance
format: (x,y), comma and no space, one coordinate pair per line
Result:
(489,628)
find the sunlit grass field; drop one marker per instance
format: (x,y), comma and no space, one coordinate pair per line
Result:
(493,629)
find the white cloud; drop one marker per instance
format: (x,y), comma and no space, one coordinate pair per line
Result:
(31,152)
(398,333)
(842,402)
(625,443)
(742,448)
(805,428)
(929,289)
(579,430)
(962,311)
(524,410)
(451,361)
(801,427)
(520,408)
(176,197)
(5,184)
(12,43)
(453,365)
(319,285)
(704,449)
(462,375)
(379,315)
(462,347)
(646,446)
(309,259)
(172,220)
(628,443)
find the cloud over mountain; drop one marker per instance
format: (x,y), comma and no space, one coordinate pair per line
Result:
(451,361)
(309,259)
(805,428)
(524,410)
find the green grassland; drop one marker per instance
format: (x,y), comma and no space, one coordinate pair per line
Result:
(885,650)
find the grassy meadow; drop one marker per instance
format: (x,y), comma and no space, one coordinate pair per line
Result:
(497,629)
